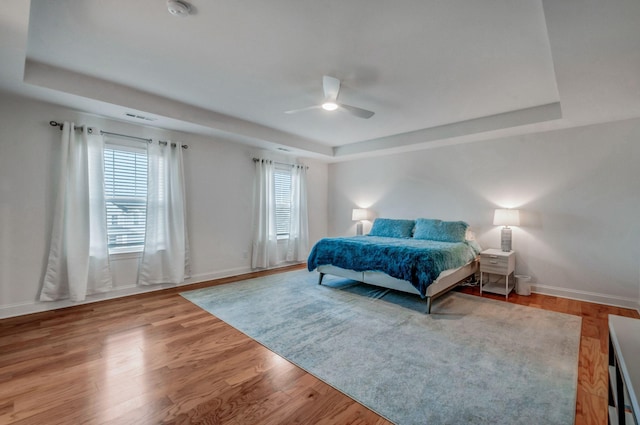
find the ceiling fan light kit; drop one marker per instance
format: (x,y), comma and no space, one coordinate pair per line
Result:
(178,8)
(329,106)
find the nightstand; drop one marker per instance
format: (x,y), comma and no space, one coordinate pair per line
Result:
(495,261)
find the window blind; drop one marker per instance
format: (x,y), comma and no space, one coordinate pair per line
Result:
(283,201)
(125,186)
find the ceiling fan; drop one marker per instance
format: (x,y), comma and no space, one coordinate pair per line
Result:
(331,87)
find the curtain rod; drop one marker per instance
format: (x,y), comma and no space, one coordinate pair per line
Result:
(90,130)
(281,163)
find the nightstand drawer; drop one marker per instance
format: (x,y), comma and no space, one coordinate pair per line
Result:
(493,260)
(496,267)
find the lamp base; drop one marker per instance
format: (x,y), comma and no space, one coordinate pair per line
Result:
(505,239)
(359,228)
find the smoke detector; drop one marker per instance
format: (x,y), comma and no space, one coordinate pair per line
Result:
(178,8)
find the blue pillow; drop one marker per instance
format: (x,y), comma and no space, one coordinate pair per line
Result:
(392,228)
(438,230)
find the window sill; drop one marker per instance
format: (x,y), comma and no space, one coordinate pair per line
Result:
(125,253)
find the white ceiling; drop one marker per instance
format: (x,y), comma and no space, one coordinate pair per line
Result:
(434,72)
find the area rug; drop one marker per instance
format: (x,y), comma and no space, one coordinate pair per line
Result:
(472,361)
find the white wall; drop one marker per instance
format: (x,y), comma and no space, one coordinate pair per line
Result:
(578,189)
(219,184)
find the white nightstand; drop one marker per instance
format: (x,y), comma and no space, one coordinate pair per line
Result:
(495,261)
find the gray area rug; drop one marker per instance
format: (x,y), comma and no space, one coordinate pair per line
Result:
(472,361)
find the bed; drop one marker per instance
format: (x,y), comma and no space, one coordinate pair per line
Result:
(426,257)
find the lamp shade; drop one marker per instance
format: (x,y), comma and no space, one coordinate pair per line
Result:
(360,214)
(506,217)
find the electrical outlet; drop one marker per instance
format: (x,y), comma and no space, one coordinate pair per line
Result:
(245,254)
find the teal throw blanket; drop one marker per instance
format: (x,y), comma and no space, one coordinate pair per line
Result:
(415,260)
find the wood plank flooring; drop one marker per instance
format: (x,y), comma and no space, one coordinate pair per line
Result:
(157,358)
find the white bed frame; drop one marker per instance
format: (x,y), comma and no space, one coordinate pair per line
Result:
(446,281)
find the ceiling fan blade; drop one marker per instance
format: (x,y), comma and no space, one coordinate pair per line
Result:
(295,111)
(358,112)
(331,87)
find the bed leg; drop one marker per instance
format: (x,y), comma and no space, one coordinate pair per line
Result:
(428,305)
(320,279)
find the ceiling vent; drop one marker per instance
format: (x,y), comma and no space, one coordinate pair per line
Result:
(139,117)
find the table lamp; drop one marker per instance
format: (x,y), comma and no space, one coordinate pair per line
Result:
(506,217)
(359,215)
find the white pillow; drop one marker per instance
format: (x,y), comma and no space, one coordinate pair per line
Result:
(469,235)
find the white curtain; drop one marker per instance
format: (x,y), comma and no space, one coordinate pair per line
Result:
(265,240)
(166,249)
(78,254)
(298,244)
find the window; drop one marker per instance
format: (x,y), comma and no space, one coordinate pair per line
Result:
(282,178)
(125,186)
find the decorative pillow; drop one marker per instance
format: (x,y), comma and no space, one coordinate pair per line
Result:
(392,228)
(469,235)
(442,231)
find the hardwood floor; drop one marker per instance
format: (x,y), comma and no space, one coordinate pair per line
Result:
(157,358)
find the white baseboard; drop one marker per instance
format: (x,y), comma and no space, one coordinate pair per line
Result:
(593,297)
(122,291)
(203,277)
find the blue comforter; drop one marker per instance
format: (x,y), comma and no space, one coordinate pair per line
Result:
(415,260)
